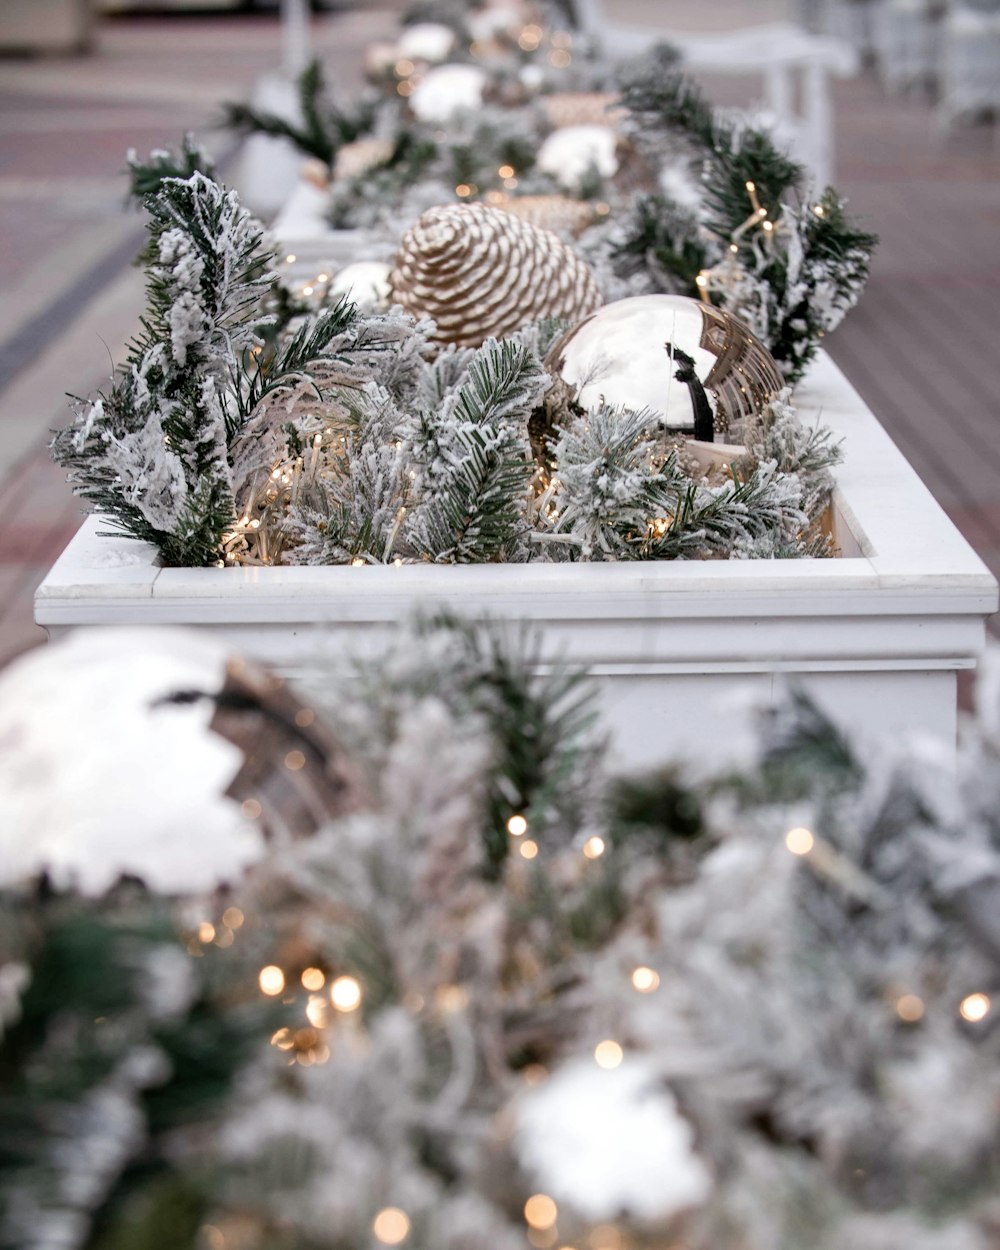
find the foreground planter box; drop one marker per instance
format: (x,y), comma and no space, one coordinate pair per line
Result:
(878,635)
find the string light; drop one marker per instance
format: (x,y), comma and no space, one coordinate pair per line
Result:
(313,978)
(645,979)
(357,562)
(516,826)
(232,918)
(283,1040)
(594,847)
(250,809)
(271,980)
(506,171)
(291,258)
(345,994)
(317,1011)
(975,1007)
(391,1226)
(608,1054)
(540,1211)
(910,1008)
(799,841)
(225,938)
(295,761)
(528,848)
(206,931)
(304,717)
(451,998)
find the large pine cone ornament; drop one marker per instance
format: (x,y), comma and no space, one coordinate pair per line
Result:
(480,272)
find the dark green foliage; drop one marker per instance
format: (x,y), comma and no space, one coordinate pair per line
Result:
(659,803)
(325,127)
(146,177)
(664,240)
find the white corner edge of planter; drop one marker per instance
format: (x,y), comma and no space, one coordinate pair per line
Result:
(878,634)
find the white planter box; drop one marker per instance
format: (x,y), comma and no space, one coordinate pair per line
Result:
(878,635)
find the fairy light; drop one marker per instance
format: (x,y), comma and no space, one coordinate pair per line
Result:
(540,1211)
(819,210)
(701,281)
(451,998)
(594,847)
(206,931)
(799,841)
(645,979)
(559,58)
(322,277)
(404,88)
(308,290)
(317,1011)
(346,994)
(517,826)
(910,1008)
(304,717)
(295,761)
(357,562)
(233,918)
(608,1054)
(506,171)
(271,980)
(975,1007)
(404,68)
(313,978)
(528,849)
(283,1039)
(561,39)
(291,258)
(250,809)
(391,1226)
(463,190)
(225,938)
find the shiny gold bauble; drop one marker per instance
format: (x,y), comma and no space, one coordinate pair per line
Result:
(481,272)
(697,368)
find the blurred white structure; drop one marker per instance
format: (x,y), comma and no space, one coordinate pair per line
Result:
(970,61)
(795,65)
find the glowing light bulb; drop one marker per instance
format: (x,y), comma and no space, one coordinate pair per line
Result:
(594,847)
(799,841)
(291,258)
(345,994)
(250,809)
(975,1007)
(313,978)
(909,1008)
(232,918)
(608,1054)
(271,980)
(391,1226)
(540,1211)
(295,761)
(516,826)
(528,848)
(304,717)
(206,931)
(645,980)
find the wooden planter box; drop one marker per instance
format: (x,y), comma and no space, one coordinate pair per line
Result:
(878,635)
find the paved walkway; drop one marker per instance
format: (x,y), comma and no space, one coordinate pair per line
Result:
(922,348)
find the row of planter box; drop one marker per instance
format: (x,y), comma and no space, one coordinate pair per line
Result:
(877,635)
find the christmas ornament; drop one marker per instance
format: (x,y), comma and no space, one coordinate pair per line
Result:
(570,153)
(697,367)
(359,157)
(426,41)
(447,90)
(379,59)
(478,271)
(581,108)
(557,213)
(366,282)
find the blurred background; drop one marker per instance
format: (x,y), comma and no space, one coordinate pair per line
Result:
(916,152)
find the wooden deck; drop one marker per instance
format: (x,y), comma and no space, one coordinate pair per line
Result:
(922,348)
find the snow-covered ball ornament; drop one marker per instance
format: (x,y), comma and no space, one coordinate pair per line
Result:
(447,90)
(426,41)
(478,272)
(101,778)
(366,282)
(570,153)
(609,1143)
(697,367)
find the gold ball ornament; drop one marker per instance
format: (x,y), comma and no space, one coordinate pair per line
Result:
(698,368)
(481,272)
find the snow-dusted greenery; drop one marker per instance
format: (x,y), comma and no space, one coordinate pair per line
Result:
(809,1055)
(792,280)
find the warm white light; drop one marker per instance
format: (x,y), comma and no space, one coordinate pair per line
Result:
(391,1226)
(540,1211)
(206,931)
(528,848)
(295,761)
(594,847)
(345,994)
(251,809)
(975,1007)
(232,918)
(313,978)
(271,980)
(645,980)
(799,841)
(516,826)
(910,1008)
(291,258)
(608,1054)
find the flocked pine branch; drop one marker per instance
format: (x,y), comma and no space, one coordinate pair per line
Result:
(146,176)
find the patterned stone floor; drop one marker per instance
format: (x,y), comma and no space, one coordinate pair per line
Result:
(921,348)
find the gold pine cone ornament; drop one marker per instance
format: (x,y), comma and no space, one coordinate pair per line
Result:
(480,272)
